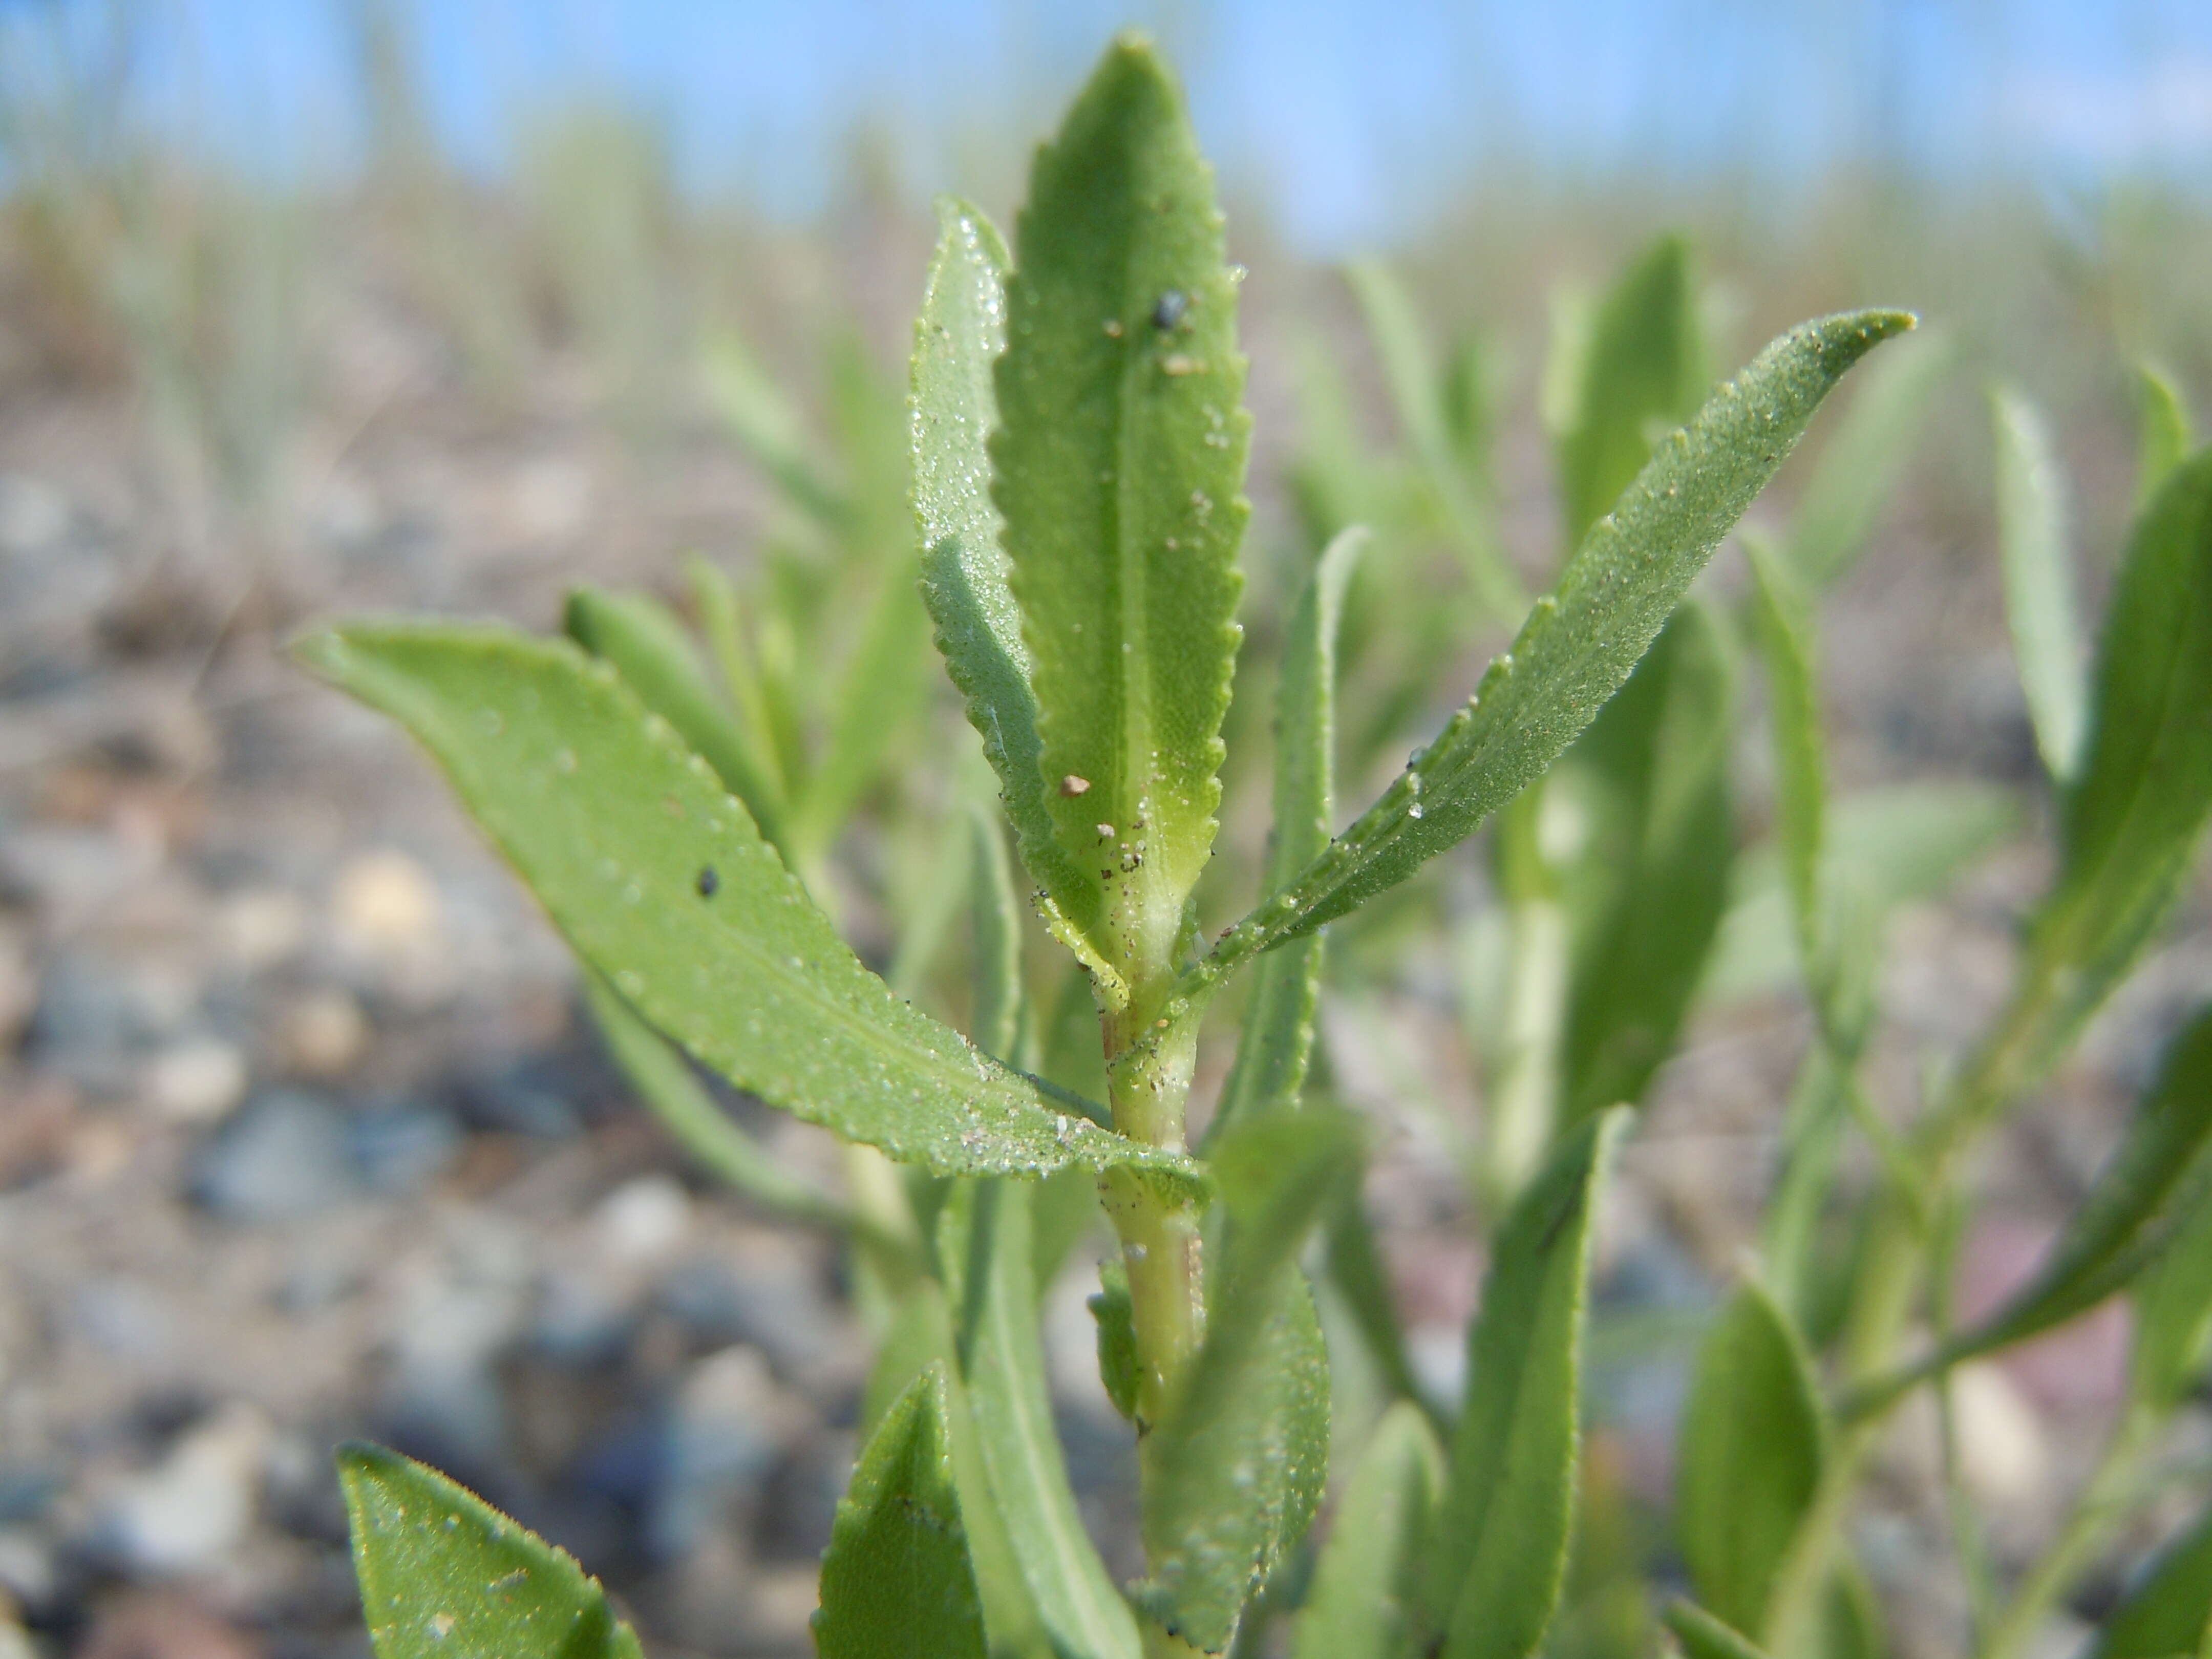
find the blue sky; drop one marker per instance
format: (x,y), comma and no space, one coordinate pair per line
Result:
(1350,124)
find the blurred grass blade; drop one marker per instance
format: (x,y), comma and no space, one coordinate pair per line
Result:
(996,944)
(1645,891)
(1356,1269)
(651,651)
(1753,1452)
(1277,1035)
(1801,789)
(2134,817)
(1859,464)
(770,430)
(1582,640)
(2038,571)
(2170,1612)
(2173,1317)
(876,701)
(896,1579)
(426,1550)
(1703,1637)
(1495,1569)
(1643,368)
(959,336)
(659,881)
(2164,442)
(1002,1357)
(1234,1474)
(719,616)
(1118,464)
(665,1081)
(2158,1179)
(1365,1588)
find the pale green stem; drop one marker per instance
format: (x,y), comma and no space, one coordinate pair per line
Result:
(1149,1085)
(1524,1106)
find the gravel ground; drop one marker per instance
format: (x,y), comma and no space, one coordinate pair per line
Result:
(302,1135)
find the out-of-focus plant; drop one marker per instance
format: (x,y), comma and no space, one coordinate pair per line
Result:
(1077,447)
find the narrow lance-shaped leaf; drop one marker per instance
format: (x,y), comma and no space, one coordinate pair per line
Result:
(1582,640)
(2170,1612)
(2173,1317)
(959,336)
(1753,1451)
(1234,1474)
(1645,891)
(1703,1637)
(1364,1595)
(2164,442)
(1500,1555)
(2153,1187)
(2135,815)
(1278,1036)
(896,1579)
(1118,464)
(660,882)
(1002,1357)
(1859,462)
(650,651)
(2038,572)
(445,1576)
(1642,373)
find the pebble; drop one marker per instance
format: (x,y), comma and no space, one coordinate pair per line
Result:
(259,927)
(322,1034)
(403,1146)
(199,1080)
(385,906)
(286,1153)
(724,1433)
(645,1218)
(773,1301)
(189,1512)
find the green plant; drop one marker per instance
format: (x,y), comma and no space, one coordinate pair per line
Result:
(1078,455)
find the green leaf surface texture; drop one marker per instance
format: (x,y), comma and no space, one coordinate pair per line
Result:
(1499,1560)
(1365,1587)
(1118,466)
(896,1579)
(1645,891)
(2170,1611)
(1753,1446)
(1234,1474)
(2133,819)
(1643,368)
(652,653)
(1582,640)
(2039,576)
(1278,1024)
(1703,1637)
(444,1574)
(660,882)
(1002,1357)
(2157,1182)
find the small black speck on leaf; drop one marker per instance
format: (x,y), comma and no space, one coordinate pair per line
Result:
(1170,310)
(709,884)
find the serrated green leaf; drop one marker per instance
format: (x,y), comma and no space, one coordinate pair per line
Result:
(1703,1637)
(665,1081)
(1583,641)
(1002,1357)
(1234,1474)
(1752,1451)
(1115,1315)
(1646,890)
(2173,1317)
(2169,1613)
(1858,464)
(1278,1036)
(445,1576)
(1495,1572)
(1366,1583)
(650,650)
(1118,466)
(2038,572)
(2164,442)
(1643,368)
(660,882)
(896,1579)
(2160,1178)
(2136,811)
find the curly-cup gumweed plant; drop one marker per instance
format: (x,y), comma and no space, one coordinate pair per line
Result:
(1079,457)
